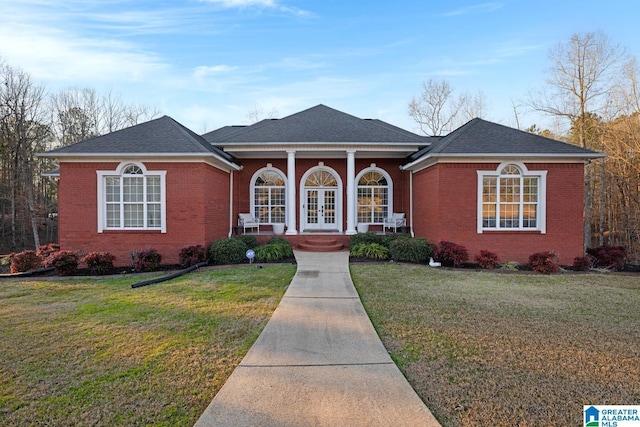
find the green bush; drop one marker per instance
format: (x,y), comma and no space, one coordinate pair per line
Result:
(228,251)
(274,252)
(416,250)
(278,240)
(249,240)
(387,239)
(360,238)
(370,251)
(65,262)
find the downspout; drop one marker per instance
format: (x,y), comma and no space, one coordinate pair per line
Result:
(411,201)
(230,204)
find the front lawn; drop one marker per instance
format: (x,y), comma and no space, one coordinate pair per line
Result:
(496,349)
(96,352)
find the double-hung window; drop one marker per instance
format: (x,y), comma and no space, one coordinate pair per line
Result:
(131,198)
(511,198)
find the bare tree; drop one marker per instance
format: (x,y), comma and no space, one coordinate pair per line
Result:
(258,113)
(23,132)
(78,114)
(580,78)
(438,112)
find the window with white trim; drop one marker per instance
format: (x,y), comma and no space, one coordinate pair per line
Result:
(511,198)
(374,190)
(131,198)
(269,196)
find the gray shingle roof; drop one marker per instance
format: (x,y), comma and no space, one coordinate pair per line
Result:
(316,124)
(481,137)
(159,136)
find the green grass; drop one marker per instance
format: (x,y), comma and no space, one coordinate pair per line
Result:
(96,352)
(499,349)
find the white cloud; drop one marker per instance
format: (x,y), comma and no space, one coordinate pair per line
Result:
(269,4)
(210,70)
(243,3)
(478,8)
(56,55)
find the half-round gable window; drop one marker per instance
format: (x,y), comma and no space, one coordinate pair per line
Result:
(510,170)
(132,170)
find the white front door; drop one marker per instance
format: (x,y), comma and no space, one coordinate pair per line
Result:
(320,200)
(321,209)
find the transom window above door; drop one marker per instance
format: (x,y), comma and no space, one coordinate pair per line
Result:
(321,178)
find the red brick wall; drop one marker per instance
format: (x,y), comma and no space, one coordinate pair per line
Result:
(445,208)
(197,198)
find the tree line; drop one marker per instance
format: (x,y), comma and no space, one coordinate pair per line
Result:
(593,87)
(33,121)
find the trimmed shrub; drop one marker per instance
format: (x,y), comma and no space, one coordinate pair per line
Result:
(487,259)
(607,256)
(273,252)
(416,250)
(228,251)
(544,262)
(65,262)
(24,261)
(387,239)
(582,263)
(278,241)
(45,250)
(192,255)
(147,260)
(99,262)
(359,238)
(451,254)
(249,240)
(370,251)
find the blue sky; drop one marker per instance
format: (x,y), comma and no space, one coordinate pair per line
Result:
(207,63)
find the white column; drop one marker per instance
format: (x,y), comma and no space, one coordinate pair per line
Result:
(291,193)
(351,192)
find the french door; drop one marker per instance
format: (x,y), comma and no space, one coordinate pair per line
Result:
(321,209)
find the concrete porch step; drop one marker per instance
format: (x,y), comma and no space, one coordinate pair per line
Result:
(321,244)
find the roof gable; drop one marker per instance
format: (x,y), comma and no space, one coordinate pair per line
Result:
(483,138)
(316,124)
(159,136)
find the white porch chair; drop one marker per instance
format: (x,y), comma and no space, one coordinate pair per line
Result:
(396,220)
(248,221)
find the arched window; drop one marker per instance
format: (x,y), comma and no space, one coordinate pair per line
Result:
(269,196)
(131,198)
(512,198)
(374,196)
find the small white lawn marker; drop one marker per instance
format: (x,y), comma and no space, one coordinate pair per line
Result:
(251,255)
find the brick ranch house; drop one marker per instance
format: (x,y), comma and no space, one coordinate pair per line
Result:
(320,171)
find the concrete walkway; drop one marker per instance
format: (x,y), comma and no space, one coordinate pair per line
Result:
(318,362)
